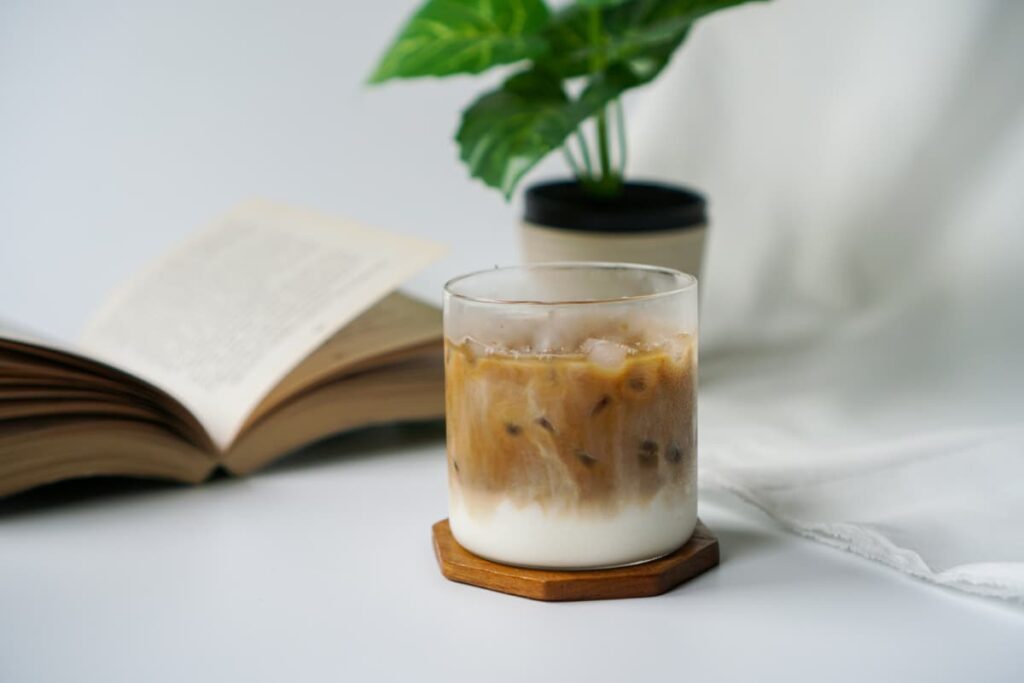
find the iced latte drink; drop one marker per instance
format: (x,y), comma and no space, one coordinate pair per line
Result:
(571,413)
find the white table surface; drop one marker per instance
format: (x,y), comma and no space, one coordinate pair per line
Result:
(123,126)
(322,569)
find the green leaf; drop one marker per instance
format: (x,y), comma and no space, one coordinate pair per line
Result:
(464,36)
(507,131)
(640,35)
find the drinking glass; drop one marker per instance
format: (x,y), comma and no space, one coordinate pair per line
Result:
(571,405)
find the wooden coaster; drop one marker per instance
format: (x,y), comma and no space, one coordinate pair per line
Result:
(698,555)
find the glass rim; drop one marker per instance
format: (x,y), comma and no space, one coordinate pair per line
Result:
(684,282)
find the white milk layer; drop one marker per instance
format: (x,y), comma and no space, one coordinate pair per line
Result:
(532,537)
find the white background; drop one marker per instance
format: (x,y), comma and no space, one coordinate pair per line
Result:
(125,125)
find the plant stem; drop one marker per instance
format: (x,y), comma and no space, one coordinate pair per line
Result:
(571,160)
(584,152)
(608,182)
(602,146)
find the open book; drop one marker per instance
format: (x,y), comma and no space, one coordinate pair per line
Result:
(271,328)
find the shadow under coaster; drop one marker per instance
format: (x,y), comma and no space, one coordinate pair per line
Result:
(696,556)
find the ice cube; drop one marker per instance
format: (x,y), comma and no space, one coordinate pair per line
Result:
(476,349)
(549,337)
(607,354)
(678,346)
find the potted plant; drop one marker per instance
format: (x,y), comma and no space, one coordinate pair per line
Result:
(570,68)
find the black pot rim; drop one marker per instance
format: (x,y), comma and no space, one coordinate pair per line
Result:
(641,207)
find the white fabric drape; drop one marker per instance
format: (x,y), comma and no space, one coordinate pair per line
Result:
(863,302)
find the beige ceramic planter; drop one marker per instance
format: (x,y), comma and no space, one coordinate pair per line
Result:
(651,224)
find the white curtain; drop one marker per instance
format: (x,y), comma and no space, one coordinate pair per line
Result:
(863,309)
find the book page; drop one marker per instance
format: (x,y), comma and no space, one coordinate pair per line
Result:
(394,327)
(219,321)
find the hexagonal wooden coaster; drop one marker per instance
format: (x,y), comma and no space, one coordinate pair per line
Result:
(698,555)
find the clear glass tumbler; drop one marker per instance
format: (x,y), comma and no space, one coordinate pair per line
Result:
(572,413)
